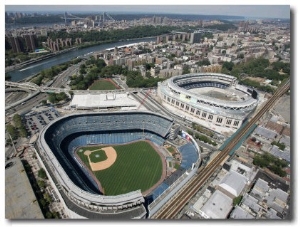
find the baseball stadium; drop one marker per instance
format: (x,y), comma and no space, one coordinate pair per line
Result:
(112,165)
(209,97)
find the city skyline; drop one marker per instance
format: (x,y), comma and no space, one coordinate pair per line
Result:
(248,11)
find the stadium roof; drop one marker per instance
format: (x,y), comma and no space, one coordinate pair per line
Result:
(20,200)
(233,183)
(218,206)
(103,100)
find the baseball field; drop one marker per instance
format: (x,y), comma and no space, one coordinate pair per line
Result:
(123,168)
(103,84)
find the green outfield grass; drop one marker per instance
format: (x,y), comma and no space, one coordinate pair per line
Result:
(138,166)
(102,85)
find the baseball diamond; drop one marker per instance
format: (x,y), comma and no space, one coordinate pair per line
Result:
(136,165)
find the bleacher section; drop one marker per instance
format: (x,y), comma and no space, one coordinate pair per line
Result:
(189,155)
(105,122)
(200,84)
(119,137)
(167,183)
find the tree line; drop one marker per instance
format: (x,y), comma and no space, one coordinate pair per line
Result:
(269,161)
(114,35)
(258,67)
(94,69)
(17,129)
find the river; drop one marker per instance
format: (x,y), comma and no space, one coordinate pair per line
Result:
(30,70)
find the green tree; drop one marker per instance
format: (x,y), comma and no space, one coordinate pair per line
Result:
(186,69)
(44,102)
(280,145)
(240,56)
(61,96)
(47,197)
(52,98)
(237,200)
(41,184)
(17,120)
(23,132)
(43,203)
(49,215)
(203,62)
(42,174)
(148,66)
(228,65)
(12,131)
(82,71)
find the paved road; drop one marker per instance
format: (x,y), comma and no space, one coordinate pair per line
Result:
(28,105)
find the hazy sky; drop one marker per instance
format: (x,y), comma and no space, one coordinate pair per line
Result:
(263,11)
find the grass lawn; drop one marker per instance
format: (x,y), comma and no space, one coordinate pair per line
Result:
(171,149)
(102,85)
(138,166)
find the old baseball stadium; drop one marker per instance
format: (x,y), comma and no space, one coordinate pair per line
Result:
(90,155)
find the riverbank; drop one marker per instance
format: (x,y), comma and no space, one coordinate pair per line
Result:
(44,57)
(36,60)
(35,68)
(111,41)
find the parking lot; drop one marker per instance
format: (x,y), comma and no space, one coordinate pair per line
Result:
(36,120)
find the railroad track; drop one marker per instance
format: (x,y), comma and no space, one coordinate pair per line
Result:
(183,196)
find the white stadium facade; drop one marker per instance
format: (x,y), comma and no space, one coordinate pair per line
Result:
(212,97)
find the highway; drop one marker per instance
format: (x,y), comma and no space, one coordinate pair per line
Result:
(184,195)
(59,81)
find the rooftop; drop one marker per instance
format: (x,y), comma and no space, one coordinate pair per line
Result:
(234,183)
(274,126)
(277,199)
(240,213)
(104,100)
(266,133)
(285,154)
(20,200)
(218,206)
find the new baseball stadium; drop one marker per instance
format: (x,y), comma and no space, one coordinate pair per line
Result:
(210,97)
(111,165)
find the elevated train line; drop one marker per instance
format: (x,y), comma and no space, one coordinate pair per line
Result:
(176,204)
